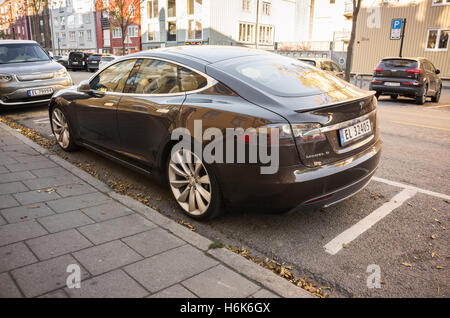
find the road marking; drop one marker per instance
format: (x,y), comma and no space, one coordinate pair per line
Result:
(440,106)
(407,186)
(44,120)
(336,244)
(418,125)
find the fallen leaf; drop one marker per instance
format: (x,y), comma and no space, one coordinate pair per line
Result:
(439,267)
(344,245)
(433,237)
(406,264)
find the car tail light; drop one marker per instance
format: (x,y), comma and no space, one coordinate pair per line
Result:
(379,69)
(411,83)
(375,81)
(414,71)
(301,133)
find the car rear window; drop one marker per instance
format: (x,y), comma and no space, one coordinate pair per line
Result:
(399,63)
(282,76)
(95,57)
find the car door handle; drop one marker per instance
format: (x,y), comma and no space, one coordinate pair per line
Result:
(109,104)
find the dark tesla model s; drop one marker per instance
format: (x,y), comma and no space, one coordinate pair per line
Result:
(328,145)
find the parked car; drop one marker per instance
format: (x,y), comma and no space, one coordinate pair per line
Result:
(327,65)
(78,61)
(93,62)
(411,77)
(329,144)
(105,60)
(28,76)
(61,60)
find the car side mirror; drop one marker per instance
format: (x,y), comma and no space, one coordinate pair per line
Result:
(438,72)
(84,87)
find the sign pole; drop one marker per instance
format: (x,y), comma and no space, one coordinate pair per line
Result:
(403,36)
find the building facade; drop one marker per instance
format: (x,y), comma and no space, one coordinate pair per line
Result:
(14,22)
(109,32)
(73,26)
(427,33)
(252,23)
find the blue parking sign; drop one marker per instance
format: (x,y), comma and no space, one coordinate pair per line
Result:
(396,29)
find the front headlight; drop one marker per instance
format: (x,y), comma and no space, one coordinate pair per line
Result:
(62,73)
(5,78)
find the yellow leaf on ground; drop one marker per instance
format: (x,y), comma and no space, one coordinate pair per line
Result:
(406,264)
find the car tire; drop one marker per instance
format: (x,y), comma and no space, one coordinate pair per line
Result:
(62,130)
(421,99)
(437,96)
(394,97)
(377,95)
(194,185)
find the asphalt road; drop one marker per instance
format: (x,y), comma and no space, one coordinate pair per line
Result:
(404,231)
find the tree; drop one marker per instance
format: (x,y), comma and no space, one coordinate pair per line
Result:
(348,68)
(121,13)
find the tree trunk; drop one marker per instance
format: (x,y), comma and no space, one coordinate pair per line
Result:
(348,67)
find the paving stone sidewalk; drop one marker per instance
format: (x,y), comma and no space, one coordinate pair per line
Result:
(53,214)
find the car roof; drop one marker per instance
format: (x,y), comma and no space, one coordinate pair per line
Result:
(209,54)
(17,42)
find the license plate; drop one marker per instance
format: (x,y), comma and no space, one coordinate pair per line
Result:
(94,62)
(40,91)
(74,62)
(349,134)
(391,84)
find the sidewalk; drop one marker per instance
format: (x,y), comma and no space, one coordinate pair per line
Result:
(53,214)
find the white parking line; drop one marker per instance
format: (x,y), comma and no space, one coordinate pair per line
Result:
(336,244)
(43,120)
(406,186)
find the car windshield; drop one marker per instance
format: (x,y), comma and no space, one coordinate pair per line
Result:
(20,53)
(283,76)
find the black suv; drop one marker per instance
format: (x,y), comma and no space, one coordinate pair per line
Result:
(410,77)
(77,61)
(93,61)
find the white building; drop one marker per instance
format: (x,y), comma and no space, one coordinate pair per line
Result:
(73,26)
(253,23)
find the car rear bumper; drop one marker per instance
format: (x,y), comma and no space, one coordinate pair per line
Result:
(400,90)
(298,185)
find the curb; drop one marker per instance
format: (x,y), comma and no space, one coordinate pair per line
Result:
(237,262)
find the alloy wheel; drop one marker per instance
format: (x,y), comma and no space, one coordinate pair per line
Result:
(190,182)
(60,128)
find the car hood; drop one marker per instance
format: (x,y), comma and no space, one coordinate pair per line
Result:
(30,67)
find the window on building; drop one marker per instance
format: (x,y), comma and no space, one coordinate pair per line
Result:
(63,35)
(246,5)
(81,36)
(152,9)
(72,36)
(195,30)
(117,33)
(153,31)
(171,8)
(194,6)
(266,8)
(63,21)
(87,18)
(133,31)
(70,20)
(441,2)
(56,21)
(265,34)
(246,32)
(105,4)
(89,35)
(132,11)
(437,39)
(172,31)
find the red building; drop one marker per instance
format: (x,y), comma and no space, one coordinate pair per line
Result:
(14,20)
(110,38)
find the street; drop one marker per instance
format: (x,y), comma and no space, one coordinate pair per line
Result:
(399,222)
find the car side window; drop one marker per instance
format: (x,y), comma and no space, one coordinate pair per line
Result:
(161,77)
(113,78)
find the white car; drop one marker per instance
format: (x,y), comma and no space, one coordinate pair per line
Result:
(105,60)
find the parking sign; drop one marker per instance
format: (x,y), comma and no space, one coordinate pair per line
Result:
(396,29)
